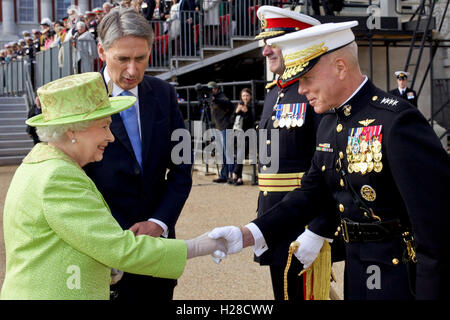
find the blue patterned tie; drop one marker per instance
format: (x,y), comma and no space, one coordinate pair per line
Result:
(130,120)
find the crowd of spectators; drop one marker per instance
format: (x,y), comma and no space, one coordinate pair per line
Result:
(174,14)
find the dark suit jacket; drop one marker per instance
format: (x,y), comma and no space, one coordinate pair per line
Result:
(148,12)
(134,194)
(409,95)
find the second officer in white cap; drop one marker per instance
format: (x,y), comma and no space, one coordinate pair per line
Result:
(287,114)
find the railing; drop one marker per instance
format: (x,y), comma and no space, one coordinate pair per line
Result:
(441,99)
(190,100)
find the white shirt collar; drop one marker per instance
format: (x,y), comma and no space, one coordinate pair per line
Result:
(116,89)
(355,92)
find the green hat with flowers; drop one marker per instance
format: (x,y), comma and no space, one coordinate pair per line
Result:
(77,98)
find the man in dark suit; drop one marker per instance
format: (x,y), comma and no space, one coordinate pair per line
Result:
(143,187)
(403,91)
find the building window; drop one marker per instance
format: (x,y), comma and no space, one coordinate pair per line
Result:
(97,3)
(61,8)
(26,10)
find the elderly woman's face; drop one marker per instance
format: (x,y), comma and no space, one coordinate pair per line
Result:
(91,143)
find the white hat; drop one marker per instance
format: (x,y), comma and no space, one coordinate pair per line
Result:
(302,49)
(401,74)
(277,21)
(46,21)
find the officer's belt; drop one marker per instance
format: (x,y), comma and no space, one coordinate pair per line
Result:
(370,232)
(279,182)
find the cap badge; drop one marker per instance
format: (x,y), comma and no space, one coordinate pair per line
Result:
(263,22)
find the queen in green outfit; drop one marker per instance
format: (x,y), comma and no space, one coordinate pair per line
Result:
(61,240)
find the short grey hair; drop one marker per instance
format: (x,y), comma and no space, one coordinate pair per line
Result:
(123,22)
(56,133)
(81,24)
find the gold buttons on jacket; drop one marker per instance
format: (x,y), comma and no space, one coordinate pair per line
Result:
(339,127)
(341,155)
(374,98)
(267,142)
(395,261)
(341,207)
(265,193)
(264,167)
(323,168)
(341,182)
(281,95)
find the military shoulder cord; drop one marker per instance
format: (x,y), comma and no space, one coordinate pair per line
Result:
(317,277)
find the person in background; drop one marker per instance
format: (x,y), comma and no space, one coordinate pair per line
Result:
(107,6)
(402,90)
(34,111)
(221,114)
(243,120)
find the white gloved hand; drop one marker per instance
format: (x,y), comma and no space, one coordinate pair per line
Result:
(203,245)
(232,236)
(310,245)
(116,275)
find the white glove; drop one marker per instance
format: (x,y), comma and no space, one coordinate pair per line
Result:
(310,245)
(203,245)
(116,275)
(232,236)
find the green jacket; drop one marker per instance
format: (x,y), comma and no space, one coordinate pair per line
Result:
(61,239)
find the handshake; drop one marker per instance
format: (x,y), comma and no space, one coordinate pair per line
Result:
(228,240)
(219,242)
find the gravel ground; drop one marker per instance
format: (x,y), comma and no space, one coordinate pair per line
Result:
(208,206)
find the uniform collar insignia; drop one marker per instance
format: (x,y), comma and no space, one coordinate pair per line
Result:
(366,122)
(389,101)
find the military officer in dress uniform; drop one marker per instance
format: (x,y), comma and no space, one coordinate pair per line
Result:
(289,113)
(382,163)
(403,91)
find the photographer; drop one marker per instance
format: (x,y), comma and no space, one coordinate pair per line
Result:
(242,121)
(222,112)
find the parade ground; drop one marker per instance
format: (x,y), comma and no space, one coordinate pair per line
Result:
(209,205)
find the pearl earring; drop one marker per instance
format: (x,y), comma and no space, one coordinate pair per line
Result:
(73,140)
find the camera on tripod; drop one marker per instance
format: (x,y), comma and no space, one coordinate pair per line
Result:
(204,92)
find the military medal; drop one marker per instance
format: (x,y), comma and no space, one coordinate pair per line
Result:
(368,193)
(363,167)
(288,122)
(376,146)
(282,123)
(378,166)
(364,149)
(276,119)
(294,123)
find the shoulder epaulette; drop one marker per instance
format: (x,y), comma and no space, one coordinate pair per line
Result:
(271,84)
(388,101)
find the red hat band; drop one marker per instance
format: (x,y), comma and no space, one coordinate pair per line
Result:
(285,23)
